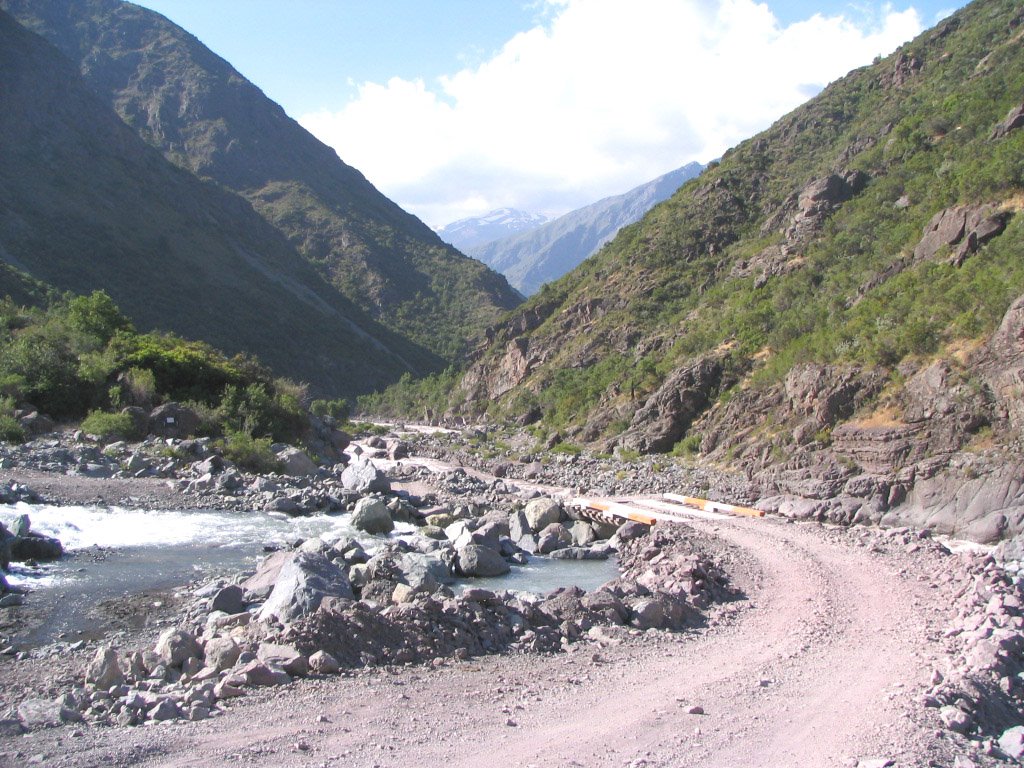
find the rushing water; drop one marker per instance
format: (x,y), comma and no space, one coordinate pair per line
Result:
(113,552)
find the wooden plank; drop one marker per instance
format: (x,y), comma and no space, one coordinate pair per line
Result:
(679,511)
(713,506)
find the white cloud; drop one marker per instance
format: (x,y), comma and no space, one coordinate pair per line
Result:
(604,96)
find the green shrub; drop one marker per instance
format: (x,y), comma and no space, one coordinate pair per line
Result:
(10,430)
(339,409)
(688,446)
(107,425)
(251,453)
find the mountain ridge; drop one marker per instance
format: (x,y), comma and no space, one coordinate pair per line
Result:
(204,116)
(475,231)
(87,205)
(547,252)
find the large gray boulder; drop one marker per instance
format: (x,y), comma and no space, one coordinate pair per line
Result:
(303,583)
(423,572)
(541,513)
(296,462)
(221,653)
(173,420)
(552,537)
(105,670)
(176,646)
(475,560)
(372,515)
(363,477)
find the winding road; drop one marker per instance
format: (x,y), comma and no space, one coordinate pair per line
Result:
(820,665)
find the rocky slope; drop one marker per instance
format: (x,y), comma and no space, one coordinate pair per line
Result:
(545,253)
(833,309)
(85,204)
(208,119)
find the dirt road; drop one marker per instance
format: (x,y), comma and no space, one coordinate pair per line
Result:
(819,666)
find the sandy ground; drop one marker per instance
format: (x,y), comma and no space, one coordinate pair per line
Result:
(820,665)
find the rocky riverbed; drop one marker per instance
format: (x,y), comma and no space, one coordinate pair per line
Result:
(330,607)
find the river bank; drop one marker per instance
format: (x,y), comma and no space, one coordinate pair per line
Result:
(913,647)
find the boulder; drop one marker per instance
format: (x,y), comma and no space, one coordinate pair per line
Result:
(363,477)
(259,674)
(475,560)
(36,423)
(35,546)
(262,582)
(173,420)
(295,462)
(284,505)
(1012,742)
(221,653)
(323,663)
(372,515)
(287,657)
(230,599)
(423,572)
(175,646)
(541,513)
(552,537)
(46,713)
(104,670)
(304,581)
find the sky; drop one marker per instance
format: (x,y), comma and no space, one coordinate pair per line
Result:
(453,108)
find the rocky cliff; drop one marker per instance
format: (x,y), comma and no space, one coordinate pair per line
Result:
(833,309)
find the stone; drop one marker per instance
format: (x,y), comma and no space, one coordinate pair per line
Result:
(262,582)
(423,572)
(104,670)
(296,462)
(165,709)
(304,581)
(552,537)
(323,663)
(363,477)
(227,690)
(476,560)
(173,420)
(1012,742)
(956,719)
(284,505)
(582,533)
(372,515)
(1013,120)
(46,713)
(221,653)
(647,614)
(541,513)
(175,646)
(287,657)
(259,674)
(230,599)
(35,546)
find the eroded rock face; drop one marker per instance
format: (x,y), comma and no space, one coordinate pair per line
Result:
(967,226)
(1013,120)
(663,420)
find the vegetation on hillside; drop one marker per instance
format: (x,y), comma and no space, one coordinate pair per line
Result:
(698,276)
(82,359)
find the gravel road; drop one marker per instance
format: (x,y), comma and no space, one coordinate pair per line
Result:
(822,664)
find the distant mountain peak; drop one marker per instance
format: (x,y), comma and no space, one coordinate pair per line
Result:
(475,231)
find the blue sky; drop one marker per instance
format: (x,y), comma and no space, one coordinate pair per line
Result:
(456,107)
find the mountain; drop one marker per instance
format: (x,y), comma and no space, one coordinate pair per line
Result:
(208,119)
(835,309)
(476,231)
(545,253)
(85,204)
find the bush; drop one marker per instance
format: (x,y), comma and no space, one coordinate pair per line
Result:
(688,446)
(107,425)
(251,453)
(10,430)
